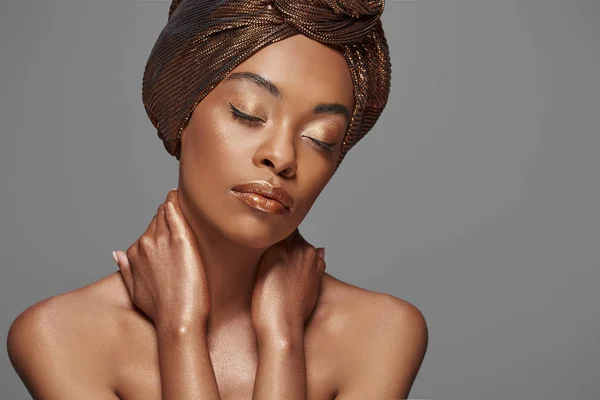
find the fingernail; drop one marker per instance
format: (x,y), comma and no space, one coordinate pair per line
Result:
(115,258)
(173,189)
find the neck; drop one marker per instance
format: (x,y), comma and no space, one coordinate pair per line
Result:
(230,270)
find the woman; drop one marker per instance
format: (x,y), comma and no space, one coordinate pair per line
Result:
(221,297)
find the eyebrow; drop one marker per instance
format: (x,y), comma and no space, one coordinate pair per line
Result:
(321,108)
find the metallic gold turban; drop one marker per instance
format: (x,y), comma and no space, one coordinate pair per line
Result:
(204,40)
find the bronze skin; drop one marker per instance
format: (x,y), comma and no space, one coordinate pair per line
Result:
(220,150)
(280,143)
(220,300)
(241,132)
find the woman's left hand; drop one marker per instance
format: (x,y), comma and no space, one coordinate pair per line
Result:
(287,284)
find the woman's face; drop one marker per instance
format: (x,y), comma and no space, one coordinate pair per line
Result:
(291,138)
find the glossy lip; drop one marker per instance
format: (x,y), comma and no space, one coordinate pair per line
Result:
(267,190)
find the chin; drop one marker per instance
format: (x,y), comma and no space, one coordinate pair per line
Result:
(256,235)
(241,224)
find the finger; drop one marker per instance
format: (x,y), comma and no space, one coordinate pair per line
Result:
(172,195)
(321,252)
(161,221)
(171,202)
(114,254)
(322,265)
(124,262)
(175,220)
(153,226)
(126,272)
(134,249)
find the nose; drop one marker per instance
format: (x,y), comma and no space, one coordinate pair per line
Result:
(277,153)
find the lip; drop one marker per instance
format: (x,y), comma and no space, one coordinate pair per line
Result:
(266,190)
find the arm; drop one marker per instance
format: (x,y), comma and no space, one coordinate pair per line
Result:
(53,356)
(281,372)
(286,289)
(186,371)
(166,280)
(391,357)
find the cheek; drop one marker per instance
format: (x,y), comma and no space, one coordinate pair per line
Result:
(211,150)
(202,166)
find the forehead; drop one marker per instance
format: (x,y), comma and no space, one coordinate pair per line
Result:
(303,68)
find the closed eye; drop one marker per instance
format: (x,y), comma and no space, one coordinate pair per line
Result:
(324,145)
(243,116)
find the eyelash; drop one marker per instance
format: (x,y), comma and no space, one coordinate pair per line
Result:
(248,119)
(244,117)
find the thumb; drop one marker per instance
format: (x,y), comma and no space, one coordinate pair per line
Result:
(126,273)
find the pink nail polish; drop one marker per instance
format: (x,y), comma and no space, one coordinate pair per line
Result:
(114,254)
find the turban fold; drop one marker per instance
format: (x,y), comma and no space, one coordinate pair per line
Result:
(204,40)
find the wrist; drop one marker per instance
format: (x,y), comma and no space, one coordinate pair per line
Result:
(281,330)
(181,327)
(279,342)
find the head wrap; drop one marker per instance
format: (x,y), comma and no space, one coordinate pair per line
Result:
(204,40)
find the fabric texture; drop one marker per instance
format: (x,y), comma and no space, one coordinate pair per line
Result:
(204,40)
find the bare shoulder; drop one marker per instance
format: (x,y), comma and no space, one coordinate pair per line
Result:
(62,347)
(353,304)
(380,340)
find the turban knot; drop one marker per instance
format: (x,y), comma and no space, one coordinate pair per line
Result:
(336,22)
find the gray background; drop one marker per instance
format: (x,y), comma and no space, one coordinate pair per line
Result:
(475,197)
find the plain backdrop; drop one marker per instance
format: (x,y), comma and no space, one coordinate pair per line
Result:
(475,197)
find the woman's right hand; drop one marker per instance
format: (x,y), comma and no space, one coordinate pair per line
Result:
(163,270)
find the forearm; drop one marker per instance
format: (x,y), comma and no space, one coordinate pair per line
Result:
(186,371)
(281,371)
